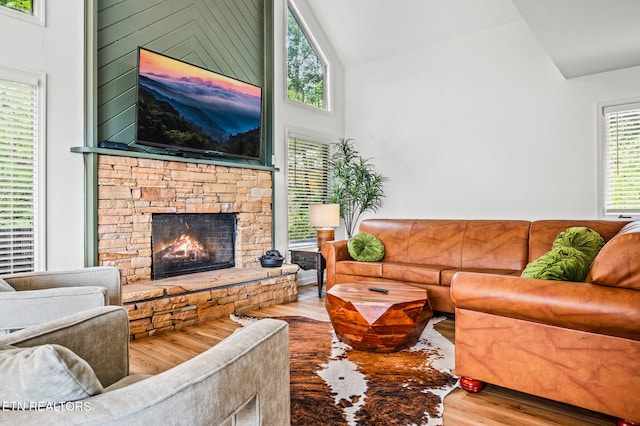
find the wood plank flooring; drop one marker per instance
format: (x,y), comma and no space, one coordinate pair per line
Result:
(494,406)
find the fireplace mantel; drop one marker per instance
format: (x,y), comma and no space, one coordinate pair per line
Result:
(247,164)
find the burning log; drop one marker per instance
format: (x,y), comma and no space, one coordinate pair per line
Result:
(184,248)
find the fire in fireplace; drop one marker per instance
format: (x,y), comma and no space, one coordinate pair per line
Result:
(191,242)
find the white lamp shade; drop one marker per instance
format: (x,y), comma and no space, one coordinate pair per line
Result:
(324,215)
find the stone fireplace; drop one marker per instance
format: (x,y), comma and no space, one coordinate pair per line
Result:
(133,191)
(136,194)
(191,242)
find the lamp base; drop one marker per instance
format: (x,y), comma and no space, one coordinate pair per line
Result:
(324,235)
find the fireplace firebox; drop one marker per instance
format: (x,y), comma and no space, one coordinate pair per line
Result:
(191,242)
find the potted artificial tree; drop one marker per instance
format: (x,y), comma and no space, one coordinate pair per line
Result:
(357,187)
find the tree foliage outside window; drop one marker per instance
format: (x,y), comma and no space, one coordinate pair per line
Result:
(24,6)
(305,70)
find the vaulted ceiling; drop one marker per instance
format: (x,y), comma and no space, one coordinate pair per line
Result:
(581,36)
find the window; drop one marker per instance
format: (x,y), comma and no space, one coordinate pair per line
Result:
(23,6)
(306,70)
(308,183)
(621,165)
(31,11)
(20,129)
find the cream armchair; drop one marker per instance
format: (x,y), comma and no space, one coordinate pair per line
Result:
(244,380)
(44,296)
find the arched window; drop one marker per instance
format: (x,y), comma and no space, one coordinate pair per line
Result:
(306,68)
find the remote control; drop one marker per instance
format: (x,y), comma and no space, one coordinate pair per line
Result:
(381,290)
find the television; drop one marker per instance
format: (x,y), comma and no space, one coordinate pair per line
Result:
(192,111)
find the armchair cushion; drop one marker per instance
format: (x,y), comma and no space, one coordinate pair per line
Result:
(20,309)
(46,374)
(98,276)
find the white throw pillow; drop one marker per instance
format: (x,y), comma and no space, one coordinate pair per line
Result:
(43,375)
(4,286)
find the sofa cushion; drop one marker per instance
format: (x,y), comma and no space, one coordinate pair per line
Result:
(560,264)
(4,286)
(365,248)
(366,269)
(496,244)
(42,375)
(581,238)
(435,242)
(410,272)
(617,263)
(394,234)
(447,275)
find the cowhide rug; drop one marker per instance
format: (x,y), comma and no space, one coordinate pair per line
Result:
(332,384)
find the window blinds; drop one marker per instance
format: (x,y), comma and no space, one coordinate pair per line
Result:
(18,192)
(308,183)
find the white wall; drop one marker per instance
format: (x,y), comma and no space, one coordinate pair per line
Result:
(58,51)
(483,126)
(290,116)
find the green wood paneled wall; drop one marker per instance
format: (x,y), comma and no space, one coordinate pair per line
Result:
(226,36)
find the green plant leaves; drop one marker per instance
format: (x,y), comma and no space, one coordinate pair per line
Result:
(357,186)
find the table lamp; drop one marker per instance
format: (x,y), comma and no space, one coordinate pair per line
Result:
(325,216)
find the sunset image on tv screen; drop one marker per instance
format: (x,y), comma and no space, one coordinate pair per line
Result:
(185,107)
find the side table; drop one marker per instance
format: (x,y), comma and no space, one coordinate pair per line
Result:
(310,258)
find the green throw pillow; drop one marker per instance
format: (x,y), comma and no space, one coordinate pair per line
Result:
(588,241)
(570,257)
(366,248)
(561,264)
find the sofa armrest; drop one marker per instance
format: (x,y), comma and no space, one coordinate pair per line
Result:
(103,276)
(100,336)
(576,305)
(20,309)
(334,251)
(244,376)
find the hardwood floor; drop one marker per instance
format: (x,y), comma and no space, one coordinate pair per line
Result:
(493,406)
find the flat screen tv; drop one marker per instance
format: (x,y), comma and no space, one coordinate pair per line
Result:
(192,111)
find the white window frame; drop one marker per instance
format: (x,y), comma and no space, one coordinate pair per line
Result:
(39,81)
(38,17)
(602,110)
(316,139)
(328,80)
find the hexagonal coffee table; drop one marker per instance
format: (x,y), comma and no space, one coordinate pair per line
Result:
(381,322)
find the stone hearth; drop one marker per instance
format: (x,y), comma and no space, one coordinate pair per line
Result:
(178,302)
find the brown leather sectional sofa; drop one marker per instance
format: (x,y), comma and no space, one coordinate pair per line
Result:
(577,343)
